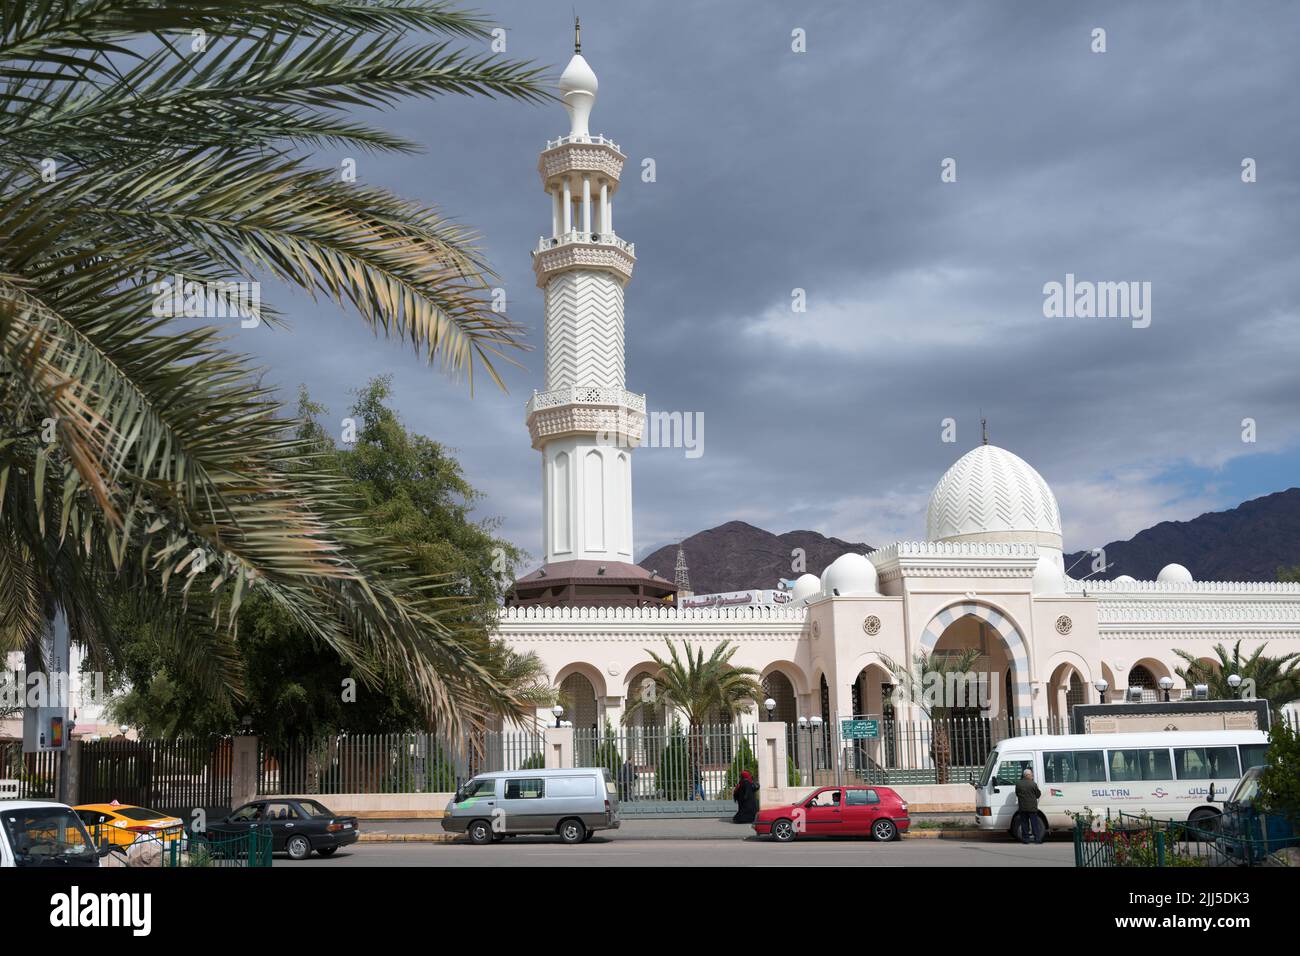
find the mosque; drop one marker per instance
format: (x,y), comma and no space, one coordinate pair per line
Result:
(988,576)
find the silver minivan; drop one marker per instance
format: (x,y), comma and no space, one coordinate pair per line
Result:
(573,803)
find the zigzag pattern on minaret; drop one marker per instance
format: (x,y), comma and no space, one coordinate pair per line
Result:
(584,330)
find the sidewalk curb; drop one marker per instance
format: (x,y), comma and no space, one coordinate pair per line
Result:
(935,834)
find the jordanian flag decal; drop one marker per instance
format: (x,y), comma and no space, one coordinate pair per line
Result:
(1057,793)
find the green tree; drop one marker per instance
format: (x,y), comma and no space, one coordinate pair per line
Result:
(417,496)
(1274,679)
(1289,574)
(139,456)
(1279,781)
(676,766)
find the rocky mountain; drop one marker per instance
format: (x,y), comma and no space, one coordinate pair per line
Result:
(737,556)
(1245,543)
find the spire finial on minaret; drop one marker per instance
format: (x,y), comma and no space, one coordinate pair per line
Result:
(984,429)
(577,34)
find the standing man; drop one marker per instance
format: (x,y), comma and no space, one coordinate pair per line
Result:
(1027,794)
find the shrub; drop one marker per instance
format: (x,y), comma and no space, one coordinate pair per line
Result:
(674,773)
(743,760)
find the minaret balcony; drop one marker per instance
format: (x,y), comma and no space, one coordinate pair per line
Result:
(583,250)
(614,413)
(594,155)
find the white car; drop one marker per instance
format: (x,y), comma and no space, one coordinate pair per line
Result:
(46,834)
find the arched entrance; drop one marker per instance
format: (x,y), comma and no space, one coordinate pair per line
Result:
(578,698)
(971,625)
(1065,689)
(778,687)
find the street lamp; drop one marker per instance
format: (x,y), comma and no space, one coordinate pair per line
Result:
(557,710)
(815,729)
(1166,683)
(124,728)
(1101,684)
(770,705)
(1234,681)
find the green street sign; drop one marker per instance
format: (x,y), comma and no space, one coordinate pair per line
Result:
(859,729)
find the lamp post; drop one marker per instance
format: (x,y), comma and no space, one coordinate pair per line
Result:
(1101,684)
(1166,684)
(803,725)
(1234,681)
(558,711)
(814,728)
(769,705)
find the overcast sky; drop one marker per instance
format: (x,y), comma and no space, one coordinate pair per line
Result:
(820,170)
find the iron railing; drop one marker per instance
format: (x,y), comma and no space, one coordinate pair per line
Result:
(670,764)
(1237,838)
(391,763)
(174,777)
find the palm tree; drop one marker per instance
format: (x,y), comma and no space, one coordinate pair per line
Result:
(1276,679)
(928,670)
(703,690)
(145,144)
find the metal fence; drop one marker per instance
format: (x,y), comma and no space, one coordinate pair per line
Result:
(172,776)
(673,771)
(949,750)
(391,763)
(28,776)
(1240,837)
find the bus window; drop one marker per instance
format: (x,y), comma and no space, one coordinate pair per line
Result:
(1012,768)
(1058,767)
(1090,765)
(1073,766)
(1206,763)
(1253,755)
(1143,764)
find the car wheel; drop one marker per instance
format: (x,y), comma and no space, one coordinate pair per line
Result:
(327,851)
(883,831)
(479,832)
(572,831)
(783,831)
(1204,819)
(298,847)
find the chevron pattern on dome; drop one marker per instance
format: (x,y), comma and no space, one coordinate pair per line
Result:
(989,489)
(584,330)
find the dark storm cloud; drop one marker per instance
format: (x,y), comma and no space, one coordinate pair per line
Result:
(820,171)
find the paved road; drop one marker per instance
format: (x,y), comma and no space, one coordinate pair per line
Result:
(613,851)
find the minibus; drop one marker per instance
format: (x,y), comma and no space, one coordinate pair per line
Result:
(573,803)
(1163,774)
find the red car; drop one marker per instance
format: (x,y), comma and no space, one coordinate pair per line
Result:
(837,811)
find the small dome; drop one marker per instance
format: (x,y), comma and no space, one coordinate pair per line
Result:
(579,77)
(1174,573)
(849,575)
(805,587)
(1125,579)
(1049,574)
(991,494)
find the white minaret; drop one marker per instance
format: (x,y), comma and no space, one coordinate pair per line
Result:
(584,422)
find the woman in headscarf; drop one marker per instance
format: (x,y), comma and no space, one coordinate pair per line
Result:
(746,797)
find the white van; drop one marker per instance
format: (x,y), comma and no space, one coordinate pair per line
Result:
(572,802)
(42,833)
(1166,774)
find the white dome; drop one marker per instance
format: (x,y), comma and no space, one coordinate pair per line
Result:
(1125,579)
(1049,574)
(991,494)
(1174,573)
(805,586)
(850,574)
(578,86)
(579,77)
